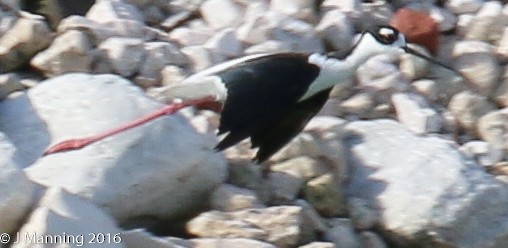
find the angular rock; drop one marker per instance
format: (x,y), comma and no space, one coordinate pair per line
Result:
(189,37)
(9,83)
(371,240)
(75,220)
(69,52)
(362,215)
(98,32)
(124,54)
(481,70)
(141,238)
(468,107)
(17,191)
(484,153)
(221,13)
(281,225)
(360,104)
(300,35)
(283,188)
(464,6)
(414,112)
(342,234)
(269,46)
(230,243)
(414,67)
(172,75)
(162,169)
(492,128)
(336,29)
(225,44)
(104,11)
(488,23)
(27,37)
(426,88)
(501,93)
(317,244)
(199,57)
(464,47)
(258,22)
(394,170)
(301,9)
(326,195)
(445,19)
(231,198)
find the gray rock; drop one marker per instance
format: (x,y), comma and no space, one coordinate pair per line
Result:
(199,57)
(269,46)
(502,46)
(415,113)
(303,9)
(104,11)
(162,169)
(464,6)
(488,23)
(426,88)
(231,198)
(189,37)
(69,52)
(257,23)
(326,195)
(9,83)
(481,70)
(484,153)
(468,107)
(414,67)
(371,240)
(97,32)
(225,44)
(281,225)
(492,128)
(362,214)
(221,13)
(317,244)
(283,188)
(141,238)
(336,29)
(124,54)
(229,243)
(342,234)
(171,75)
(78,221)
(352,8)
(501,93)
(300,35)
(27,37)
(445,19)
(394,170)
(312,219)
(17,191)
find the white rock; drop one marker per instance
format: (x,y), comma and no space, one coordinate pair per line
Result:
(225,43)
(258,22)
(464,6)
(162,169)
(352,8)
(17,191)
(221,13)
(69,52)
(27,37)
(231,198)
(414,112)
(9,83)
(501,93)
(141,238)
(326,195)
(463,23)
(482,71)
(189,37)
(98,32)
(336,29)
(502,47)
(412,66)
(492,128)
(108,10)
(342,234)
(426,87)
(269,46)
(463,47)
(484,153)
(124,54)
(317,244)
(229,243)
(371,12)
(402,176)
(131,29)
(300,9)
(172,75)
(198,56)
(280,225)
(468,107)
(299,34)
(69,221)
(371,240)
(444,18)
(488,23)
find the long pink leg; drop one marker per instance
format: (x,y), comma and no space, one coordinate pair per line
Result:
(74,144)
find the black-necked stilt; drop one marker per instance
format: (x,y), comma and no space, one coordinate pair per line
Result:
(269,98)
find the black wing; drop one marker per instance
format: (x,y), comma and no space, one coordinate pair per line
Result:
(261,92)
(272,139)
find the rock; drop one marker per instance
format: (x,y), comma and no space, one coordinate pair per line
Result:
(9,83)
(124,54)
(75,220)
(258,22)
(98,32)
(362,215)
(283,188)
(373,12)
(394,169)
(281,225)
(189,37)
(500,95)
(230,243)
(360,104)
(301,9)
(153,14)
(269,46)
(463,47)
(487,24)
(231,198)
(141,238)
(482,152)
(198,56)
(17,191)
(27,37)
(502,47)
(342,234)
(418,27)
(225,44)
(468,107)
(317,244)
(70,52)
(414,67)
(445,19)
(325,194)
(104,11)
(426,88)
(352,8)
(481,70)
(129,175)
(311,217)
(371,240)
(302,167)
(221,13)
(492,128)
(336,29)
(300,35)
(172,75)
(464,6)
(414,112)
(157,56)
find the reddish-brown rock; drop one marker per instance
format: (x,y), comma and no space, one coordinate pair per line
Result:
(418,27)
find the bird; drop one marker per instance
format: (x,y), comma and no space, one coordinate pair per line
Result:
(270,97)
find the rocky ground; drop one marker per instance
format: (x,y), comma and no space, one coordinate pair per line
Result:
(407,154)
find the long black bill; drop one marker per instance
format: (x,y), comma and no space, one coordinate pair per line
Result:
(430,59)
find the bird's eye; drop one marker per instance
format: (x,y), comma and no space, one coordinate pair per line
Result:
(387,35)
